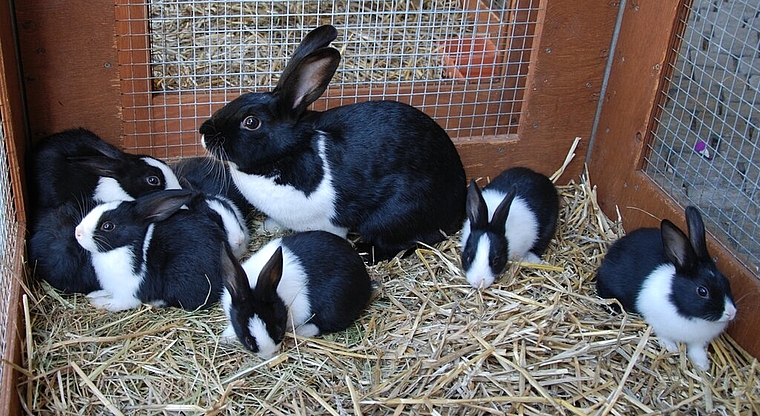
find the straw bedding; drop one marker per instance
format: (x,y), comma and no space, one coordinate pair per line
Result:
(538,341)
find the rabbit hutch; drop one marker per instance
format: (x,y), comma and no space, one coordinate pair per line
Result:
(661,96)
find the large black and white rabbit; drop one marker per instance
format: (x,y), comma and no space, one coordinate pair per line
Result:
(312,282)
(513,217)
(672,281)
(154,250)
(70,172)
(382,169)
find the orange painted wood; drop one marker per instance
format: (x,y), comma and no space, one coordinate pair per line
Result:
(622,141)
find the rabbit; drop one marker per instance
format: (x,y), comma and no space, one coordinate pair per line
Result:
(233,223)
(212,177)
(151,250)
(77,165)
(672,282)
(514,217)
(382,169)
(313,282)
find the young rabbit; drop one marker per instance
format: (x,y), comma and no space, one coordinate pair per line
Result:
(313,282)
(152,251)
(212,177)
(514,217)
(672,281)
(381,168)
(77,166)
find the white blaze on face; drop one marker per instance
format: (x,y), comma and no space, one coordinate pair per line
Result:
(258,329)
(480,275)
(85,230)
(108,190)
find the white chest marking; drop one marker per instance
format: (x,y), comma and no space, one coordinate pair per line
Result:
(289,206)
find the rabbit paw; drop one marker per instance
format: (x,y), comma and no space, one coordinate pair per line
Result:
(669,345)
(272,226)
(228,335)
(307,330)
(698,355)
(103,299)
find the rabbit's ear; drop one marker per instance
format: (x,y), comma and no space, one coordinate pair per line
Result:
(678,250)
(697,233)
(159,206)
(235,278)
(303,83)
(270,275)
(316,39)
(477,211)
(98,165)
(500,214)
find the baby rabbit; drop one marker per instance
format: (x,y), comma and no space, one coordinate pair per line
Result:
(514,217)
(210,177)
(152,251)
(381,168)
(313,282)
(78,166)
(672,281)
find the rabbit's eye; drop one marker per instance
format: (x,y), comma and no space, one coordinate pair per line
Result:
(251,123)
(107,226)
(703,292)
(154,181)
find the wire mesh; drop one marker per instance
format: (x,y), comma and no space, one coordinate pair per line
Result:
(8,247)
(705,150)
(201,54)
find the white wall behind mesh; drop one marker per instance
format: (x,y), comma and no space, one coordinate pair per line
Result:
(706,146)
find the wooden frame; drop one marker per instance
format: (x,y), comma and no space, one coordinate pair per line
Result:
(559,104)
(640,68)
(71,56)
(13,122)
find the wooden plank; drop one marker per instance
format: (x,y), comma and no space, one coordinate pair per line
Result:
(69,59)
(622,141)
(13,124)
(567,67)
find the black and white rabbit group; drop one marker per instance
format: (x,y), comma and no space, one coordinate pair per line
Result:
(70,172)
(116,226)
(119,228)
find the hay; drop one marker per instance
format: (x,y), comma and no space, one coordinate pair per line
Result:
(538,341)
(246,44)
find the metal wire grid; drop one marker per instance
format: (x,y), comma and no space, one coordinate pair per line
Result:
(705,150)
(208,52)
(8,246)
